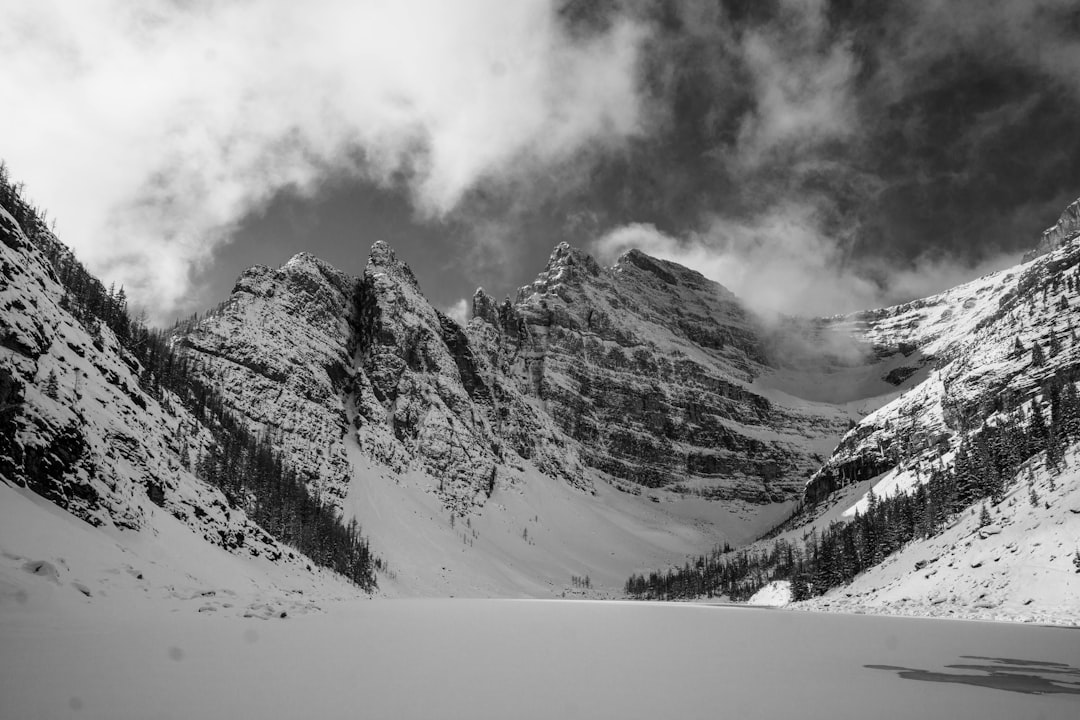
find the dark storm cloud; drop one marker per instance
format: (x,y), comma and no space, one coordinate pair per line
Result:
(877,149)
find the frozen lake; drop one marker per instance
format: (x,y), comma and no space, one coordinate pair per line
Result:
(529,659)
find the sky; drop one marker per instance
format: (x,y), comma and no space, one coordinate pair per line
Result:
(814,156)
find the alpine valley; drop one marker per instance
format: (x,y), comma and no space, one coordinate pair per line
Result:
(631,430)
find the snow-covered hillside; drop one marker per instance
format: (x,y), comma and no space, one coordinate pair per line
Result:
(967,398)
(87,435)
(1023,565)
(989,353)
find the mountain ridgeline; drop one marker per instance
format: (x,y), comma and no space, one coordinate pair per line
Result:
(643,388)
(641,375)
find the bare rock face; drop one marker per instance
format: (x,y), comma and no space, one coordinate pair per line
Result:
(420,390)
(1064,231)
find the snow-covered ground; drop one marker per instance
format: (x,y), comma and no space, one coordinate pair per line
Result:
(775,594)
(157,623)
(1018,568)
(526,659)
(534,535)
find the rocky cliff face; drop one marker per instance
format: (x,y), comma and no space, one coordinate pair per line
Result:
(427,394)
(278,351)
(1064,231)
(318,359)
(642,374)
(651,369)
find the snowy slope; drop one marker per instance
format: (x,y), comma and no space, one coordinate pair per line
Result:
(1021,567)
(978,341)
(976,356)
(98,446)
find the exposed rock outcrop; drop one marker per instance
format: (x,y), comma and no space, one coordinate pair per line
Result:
(1064,231)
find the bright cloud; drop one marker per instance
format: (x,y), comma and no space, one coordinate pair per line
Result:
(782,262)
(459,312)
(151,127)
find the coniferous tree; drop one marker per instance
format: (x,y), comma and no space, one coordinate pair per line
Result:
(1055,344)
(52,386)
(1038,358)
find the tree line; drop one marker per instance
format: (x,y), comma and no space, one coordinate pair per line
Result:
(250,471)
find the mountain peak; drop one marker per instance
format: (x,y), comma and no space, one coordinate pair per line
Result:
(565,255)
(484,306)
(383,259)
(301,258)
(567,265)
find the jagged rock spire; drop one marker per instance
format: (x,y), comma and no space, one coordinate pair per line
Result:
(383,259)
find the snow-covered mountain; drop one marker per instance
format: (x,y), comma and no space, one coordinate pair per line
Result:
(643,380)
(640,375)
(602,422)
(994,352)
(82,429)
(968,401)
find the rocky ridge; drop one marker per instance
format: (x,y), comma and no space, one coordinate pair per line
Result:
(642,374)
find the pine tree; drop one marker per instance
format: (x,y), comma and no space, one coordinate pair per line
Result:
(1038,359)
(984,517)
(1033,496)
(1055,344)
(1040,435)
(1070,411)
(52,386)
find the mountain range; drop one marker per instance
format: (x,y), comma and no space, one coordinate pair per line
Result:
(606,422)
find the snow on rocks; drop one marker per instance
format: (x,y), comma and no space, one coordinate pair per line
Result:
(89,438)
(776,594)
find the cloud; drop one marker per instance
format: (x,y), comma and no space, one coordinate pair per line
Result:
(152,127)
(783,262)
(1041,34)
(870,154)
(459,312)
(802,83)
